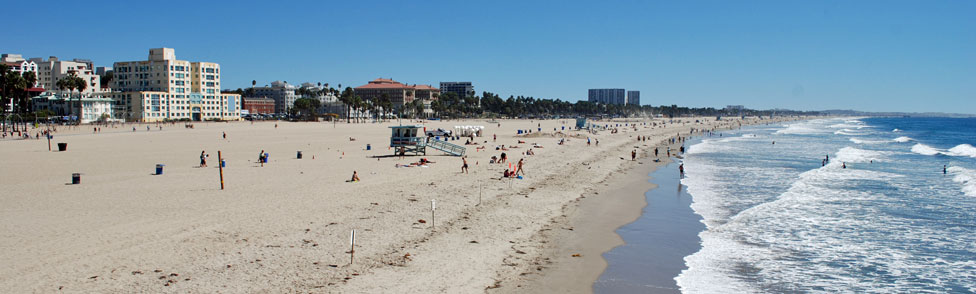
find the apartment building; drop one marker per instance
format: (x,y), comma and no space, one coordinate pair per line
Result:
(281,92)
(52,69)
(165,88)
(633,98)
(461,89)
(607,96)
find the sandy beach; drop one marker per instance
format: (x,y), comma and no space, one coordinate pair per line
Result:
(285,227)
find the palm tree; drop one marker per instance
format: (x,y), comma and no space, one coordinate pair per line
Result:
(30,78)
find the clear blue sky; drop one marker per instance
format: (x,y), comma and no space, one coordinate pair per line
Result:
(809,55)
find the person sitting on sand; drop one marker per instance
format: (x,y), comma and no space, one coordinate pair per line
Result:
(506,174)
(529,152)
(355,177)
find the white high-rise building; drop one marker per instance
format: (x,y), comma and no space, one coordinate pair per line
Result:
(164,88)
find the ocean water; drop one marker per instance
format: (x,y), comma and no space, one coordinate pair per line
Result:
(778,220)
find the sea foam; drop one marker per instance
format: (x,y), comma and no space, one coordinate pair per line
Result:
(925,149)
(851,154)
(903,139)
(962,150)
(966,177)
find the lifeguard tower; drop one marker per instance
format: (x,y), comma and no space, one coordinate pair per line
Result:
(412,139)
(580,123)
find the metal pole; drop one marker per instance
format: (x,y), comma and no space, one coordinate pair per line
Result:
(352,246)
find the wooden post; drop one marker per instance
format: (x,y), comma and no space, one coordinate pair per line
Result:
(48,141)
(481,186)
(352,246)
(220,166)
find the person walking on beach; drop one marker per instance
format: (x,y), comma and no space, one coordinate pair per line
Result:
(633,155)
(518,168)
(261,158)
(681,169)
(225,135)
(464,166)
(203,158)
(655,151)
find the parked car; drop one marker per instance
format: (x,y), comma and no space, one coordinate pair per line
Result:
(439,132)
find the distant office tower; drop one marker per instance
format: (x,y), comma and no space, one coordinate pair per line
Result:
(608,96)
(461,89)
(633,97)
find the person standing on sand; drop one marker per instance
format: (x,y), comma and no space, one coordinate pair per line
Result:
(633,155)
(203,158)
(261,158)
(464,166)
(655,151)
(225,135)
(494,137)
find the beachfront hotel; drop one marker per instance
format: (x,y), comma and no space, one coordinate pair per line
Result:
(399,93)
(165,88)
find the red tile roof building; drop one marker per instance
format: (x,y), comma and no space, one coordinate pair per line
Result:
(399,93)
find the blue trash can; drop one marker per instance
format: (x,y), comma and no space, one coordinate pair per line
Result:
(266,155)
(223,163)
(159,169)
(540,129)
(564,128)
(368,147)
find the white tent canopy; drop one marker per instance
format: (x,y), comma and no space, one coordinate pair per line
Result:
(465,131)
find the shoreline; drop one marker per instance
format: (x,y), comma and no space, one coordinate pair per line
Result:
(656,243)
(594,233)
(598,233)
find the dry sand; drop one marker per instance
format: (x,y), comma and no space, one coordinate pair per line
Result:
(285,227)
